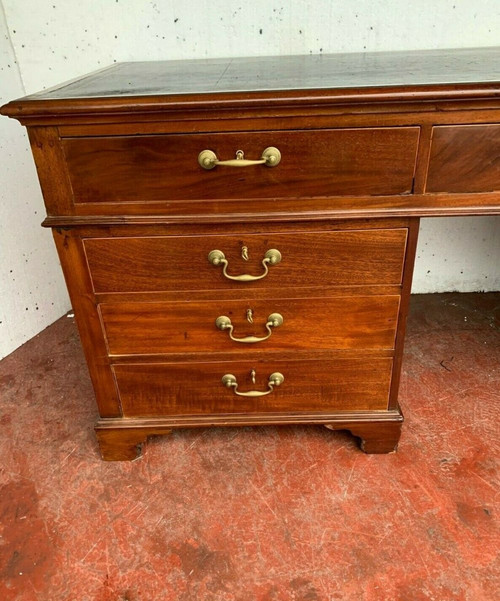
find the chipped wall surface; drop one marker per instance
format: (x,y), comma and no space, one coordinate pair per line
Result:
(32,292)
(58,40)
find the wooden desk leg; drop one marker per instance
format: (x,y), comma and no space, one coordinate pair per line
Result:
(375,437)
(122,444)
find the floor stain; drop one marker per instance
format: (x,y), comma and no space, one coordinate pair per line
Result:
(27,550)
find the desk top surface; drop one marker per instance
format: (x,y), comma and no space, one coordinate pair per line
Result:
(435,87)
(275,73)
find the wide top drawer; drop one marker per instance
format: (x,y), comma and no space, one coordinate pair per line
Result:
(310,164)
(464,159)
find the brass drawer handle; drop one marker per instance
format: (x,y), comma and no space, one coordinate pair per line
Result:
(273,321)
(275,379)
(272,257)
(270,157)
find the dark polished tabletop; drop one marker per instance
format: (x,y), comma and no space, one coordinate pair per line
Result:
(324,71)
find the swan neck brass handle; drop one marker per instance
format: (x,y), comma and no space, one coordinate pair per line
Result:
(275,379)
(272,257)
(273,321)
(207,159)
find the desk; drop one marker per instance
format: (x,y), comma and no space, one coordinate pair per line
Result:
(238,235)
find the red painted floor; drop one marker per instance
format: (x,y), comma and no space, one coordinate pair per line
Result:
(259,514)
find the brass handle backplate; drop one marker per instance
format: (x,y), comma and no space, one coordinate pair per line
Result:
(270,157)
(273,321)
(275,379)
(272,257)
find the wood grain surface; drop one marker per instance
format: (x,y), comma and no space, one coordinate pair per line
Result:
(464,158)
(309,259)
(70,249)
(196,388)
(348,322)
(369,161)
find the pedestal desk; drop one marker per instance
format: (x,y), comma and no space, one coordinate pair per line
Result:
(238,236)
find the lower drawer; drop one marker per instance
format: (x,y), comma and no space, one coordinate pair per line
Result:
(346,384)
(349,322)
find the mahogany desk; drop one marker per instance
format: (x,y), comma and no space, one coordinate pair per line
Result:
(238,236)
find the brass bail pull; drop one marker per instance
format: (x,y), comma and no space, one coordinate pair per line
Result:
(272,257)
(275,320)
(275,379)
(207,159)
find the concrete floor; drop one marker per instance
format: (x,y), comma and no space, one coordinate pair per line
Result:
(258,514)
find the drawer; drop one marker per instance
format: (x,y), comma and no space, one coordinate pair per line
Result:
(178,388)
(464,158)
(314,163)
(358,322)
(165,263)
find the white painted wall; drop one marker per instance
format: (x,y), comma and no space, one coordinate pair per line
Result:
(59,39)
(56,40)
(461,253)
(32,292)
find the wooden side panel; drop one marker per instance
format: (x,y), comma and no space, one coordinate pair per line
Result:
(196,388)
(366,161)
(51,167)
(404,305)
(336,258)
(72,257)
(357,322)
(465,158)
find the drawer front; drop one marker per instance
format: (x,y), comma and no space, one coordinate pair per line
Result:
(334,162)
(335,258)
(197,388)
(358,322)
(464,158)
